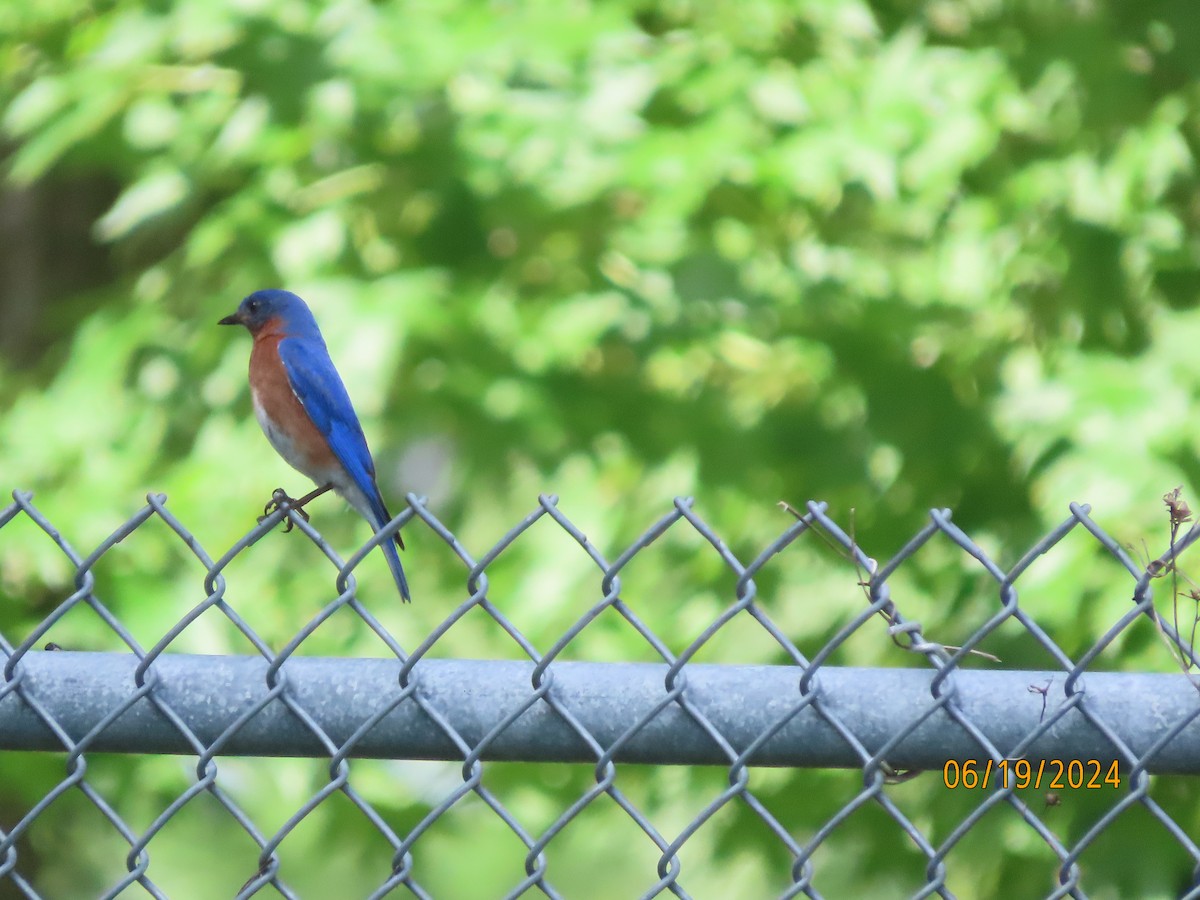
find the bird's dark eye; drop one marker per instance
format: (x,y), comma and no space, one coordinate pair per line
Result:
(253,306)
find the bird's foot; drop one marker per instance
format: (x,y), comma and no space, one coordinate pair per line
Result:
(280,498)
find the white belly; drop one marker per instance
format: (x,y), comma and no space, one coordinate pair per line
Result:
(320,475)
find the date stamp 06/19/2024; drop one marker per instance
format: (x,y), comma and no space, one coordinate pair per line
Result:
(1051,774)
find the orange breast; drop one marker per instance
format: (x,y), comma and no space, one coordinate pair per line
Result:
(279,411)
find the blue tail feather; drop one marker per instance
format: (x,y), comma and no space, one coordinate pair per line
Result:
(393,560)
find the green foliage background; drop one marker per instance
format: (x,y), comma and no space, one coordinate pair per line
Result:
(892,255)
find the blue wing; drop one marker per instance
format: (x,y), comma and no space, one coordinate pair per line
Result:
(321,392)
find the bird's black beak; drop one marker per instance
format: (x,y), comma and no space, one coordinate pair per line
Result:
(234,319)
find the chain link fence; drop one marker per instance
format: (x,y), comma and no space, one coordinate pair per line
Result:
(957,725)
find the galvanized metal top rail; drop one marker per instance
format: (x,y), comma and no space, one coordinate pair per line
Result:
(632,712)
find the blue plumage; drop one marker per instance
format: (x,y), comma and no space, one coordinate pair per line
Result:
(305,411)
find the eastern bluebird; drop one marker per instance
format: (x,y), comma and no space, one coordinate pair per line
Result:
(305,412)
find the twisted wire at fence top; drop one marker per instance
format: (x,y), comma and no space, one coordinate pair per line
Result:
(944,700)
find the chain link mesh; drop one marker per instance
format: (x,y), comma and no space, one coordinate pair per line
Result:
(552,715)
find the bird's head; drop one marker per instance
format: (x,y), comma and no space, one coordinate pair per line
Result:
(282,310)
